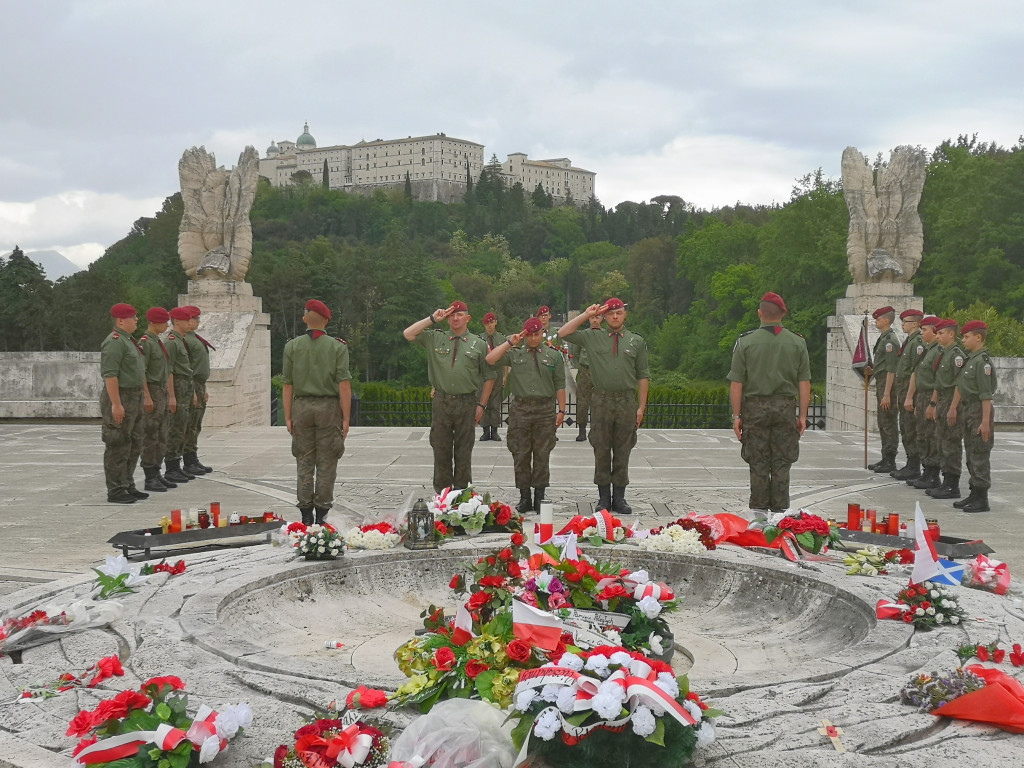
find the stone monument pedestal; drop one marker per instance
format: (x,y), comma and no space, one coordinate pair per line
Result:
(844,387)
(234,322)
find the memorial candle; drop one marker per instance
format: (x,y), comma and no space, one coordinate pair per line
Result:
(547,521)
(215,513)
(894,524)
(853,517)
(175,521)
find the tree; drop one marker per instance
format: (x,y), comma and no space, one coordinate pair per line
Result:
(25,298)
(541,199)
(327,175)
(408,188)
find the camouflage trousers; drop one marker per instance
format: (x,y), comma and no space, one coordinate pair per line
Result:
(318,443)
(976,449)
(451,437)
(584,392)
(531,438)
(492,414)
(927,440)
(612,435)
(179,420)
(195,419)
(770,445)
(908,423)
(154,427)
(122,442)
(949,438)
(888,421)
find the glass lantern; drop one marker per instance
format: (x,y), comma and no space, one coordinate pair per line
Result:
(420,527)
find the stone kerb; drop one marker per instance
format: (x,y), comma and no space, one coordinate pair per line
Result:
(50,385)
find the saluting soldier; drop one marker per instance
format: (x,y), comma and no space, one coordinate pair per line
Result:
(770,394)
(457,362)
(158,392)
(537,383)
(922,384)
(910,353)
(544,315)
(179,360)
(584,382)
(199,351)
(317,399)
(492,416)
(949,428)
(886,359)
(973,400)
(122,367)
(618,366)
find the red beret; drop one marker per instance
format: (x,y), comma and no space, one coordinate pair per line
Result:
(459,306)
(490,317)
(775,299)
(614,303)
(532,325)
(974,325)
(181,313)
(882,311)
(158,315)
(911,314)
(315,305)
(946,323)
(545,310)
(930,320)
(193,311)
(123,311)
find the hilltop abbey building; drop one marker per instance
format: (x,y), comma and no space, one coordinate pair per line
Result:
(438,167)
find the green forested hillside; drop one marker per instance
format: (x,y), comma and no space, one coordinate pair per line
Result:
(692,278)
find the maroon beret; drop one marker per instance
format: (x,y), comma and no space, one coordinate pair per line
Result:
(882,311)
(490,317)
(459,306)
(974,325)
(122,311)
(545,310)
(614,303)
(158,315)
(775,299)
(315,305)
(911,314)
(945,323)
(193,311)
(930,320)
(181,313)
(532,325)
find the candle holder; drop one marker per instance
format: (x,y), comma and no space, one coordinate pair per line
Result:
(419,532)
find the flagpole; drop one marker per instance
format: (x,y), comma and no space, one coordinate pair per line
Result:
(867,379)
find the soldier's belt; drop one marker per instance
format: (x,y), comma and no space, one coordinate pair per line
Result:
(446,396)
(156,384)
(767,398)
(622,393)
(538,400)
(315,397)
(129,390)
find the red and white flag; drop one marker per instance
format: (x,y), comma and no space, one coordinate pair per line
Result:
(926,559)
(462,630)
(538,628)
(862,352)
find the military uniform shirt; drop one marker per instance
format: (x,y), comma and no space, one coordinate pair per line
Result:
(977,380)
(457,369)
(178,356)
(925,370)
(615,364)
(493,342)
(886,353)
(764,360)
(529,379)
(315,367)
(200,357)
(156,359)
(121,357)
(951,362)
(909,355)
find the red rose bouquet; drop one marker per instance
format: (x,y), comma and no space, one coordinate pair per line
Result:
(810,531)
(328,742)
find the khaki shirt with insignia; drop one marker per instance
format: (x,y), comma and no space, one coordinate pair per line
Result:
(200,357)
(771,360)
(157,359)
(315,367)
(178,356)
(534,375)
(909,355)
(977,380)
(925,370)
(493,342)
(886,353)
(122,358)
(616,365)
(951,362)
(455,369)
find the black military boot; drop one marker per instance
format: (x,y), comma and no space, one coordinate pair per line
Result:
(582,436)
(604,497)
(486,435)
(206,470)
(136,493)
(191,465)
(911,470)
(120,497)
(538,497)
(886,465)
(307,515)
(950,488)
(525,502)
(174,473)
(494,435)
(321,514)
(875,464)
(930,479)
(970,498)
(980,503)
(163,479)
(153,480)
(619,505)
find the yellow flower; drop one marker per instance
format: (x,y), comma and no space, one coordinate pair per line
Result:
(416,684)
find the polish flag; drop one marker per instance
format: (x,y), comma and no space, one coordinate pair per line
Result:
(462,631)
(926,559)
(569,551)
(538,628)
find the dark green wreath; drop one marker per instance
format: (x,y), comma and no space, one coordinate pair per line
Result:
(606,749)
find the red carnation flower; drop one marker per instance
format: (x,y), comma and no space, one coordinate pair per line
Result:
(492,581)
(81,724)
(613,591)
(998,655)
(982,653)
(513,569)
(503,516)
(518,539)
(83,744)
(366,698)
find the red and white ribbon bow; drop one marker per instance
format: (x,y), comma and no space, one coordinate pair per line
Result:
(886,610)
(166,737)
(990,573)
(347,748)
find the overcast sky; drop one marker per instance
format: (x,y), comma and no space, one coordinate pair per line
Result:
(717,102)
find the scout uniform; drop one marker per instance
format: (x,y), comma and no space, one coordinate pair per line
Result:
(770,362)
(976,384)
(315,363)
(618,360)
(491,419)
(155,422)
(199,352)
(121,358)
(537,375)
(886,357)
(950,438)
(927,437)
(584,389)
(908,357)
(179,359)
(459,369)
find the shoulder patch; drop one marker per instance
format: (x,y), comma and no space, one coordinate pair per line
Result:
(888,346)
(144,338)
(341,340)
(988,369)
(117,336)
(745,333)
(170,336)
(958,361)
(920,349)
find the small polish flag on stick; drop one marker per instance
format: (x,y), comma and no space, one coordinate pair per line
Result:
(537,627)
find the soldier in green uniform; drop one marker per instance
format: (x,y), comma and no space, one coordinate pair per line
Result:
(158,384)
(584,383)
(973,401)
(922,383)
(179,360)
(457,361)
(199,351)
(492,416)
(910,353)
(618,367)
(770,394)
(122,367)
(544,315)
(537,382)
(949,429)
(317,399)
(884,370)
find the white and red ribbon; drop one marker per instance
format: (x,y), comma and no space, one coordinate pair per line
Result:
(991,574)
(166,737)
(886,610)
